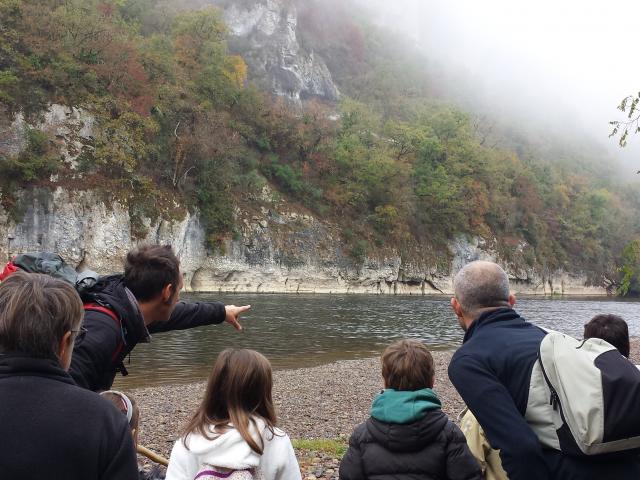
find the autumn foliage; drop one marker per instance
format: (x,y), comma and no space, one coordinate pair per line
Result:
(396,167)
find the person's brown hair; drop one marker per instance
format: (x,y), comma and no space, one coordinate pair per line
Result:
(239,388)
(36,311)
(407,365)
(120,403)
(610,328)
(150,268)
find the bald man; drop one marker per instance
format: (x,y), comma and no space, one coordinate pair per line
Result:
(492,373)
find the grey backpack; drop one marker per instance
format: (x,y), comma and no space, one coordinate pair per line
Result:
(52,264)
(584,397)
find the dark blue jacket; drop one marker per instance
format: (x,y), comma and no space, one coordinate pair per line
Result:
(492,372)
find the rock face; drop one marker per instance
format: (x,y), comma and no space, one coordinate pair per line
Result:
(86,232)
(278,250)
(264,32)
(69,128)
(12,134)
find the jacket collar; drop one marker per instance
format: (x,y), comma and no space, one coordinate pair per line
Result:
(113,293)
(489,318)
(20,364)
(395,406)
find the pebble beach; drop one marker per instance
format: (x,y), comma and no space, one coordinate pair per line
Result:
(323,402)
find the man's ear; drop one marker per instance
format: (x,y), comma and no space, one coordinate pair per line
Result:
(455,306)
(512,299)
(65,350)
(167,293)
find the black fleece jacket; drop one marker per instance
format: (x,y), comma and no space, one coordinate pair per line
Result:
(429,448)
(492,373)
(94,363)
(52,428)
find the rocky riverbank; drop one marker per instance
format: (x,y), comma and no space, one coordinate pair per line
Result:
(323,402)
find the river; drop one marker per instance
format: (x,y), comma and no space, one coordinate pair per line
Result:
(307,330)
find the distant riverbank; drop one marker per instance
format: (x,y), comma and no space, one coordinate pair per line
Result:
(391,288)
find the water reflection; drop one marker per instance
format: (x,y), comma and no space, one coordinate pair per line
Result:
(306,330)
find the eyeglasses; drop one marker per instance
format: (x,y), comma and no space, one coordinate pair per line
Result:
(80,333)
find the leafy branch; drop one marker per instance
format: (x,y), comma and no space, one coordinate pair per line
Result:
(631,106)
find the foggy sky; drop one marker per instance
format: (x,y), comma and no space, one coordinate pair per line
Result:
(566,63)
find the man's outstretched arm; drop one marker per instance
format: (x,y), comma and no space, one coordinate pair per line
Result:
(505,427)
(196,314)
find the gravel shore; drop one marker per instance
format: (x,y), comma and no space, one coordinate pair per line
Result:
(327,401)
(320,402)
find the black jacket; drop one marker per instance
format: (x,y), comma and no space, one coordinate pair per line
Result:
(492,373)
(430,448)
(98,356)
(51,428)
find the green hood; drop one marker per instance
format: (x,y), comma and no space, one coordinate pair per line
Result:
(394,406)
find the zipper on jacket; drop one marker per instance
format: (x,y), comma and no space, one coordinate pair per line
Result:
(554,400)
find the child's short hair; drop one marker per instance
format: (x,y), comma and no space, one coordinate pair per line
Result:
(407,365)
(126,404)
(610,328)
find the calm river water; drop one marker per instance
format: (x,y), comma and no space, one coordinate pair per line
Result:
(308,330)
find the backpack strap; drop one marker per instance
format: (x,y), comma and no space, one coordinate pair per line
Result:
(554,399)
(8,270)
(115,357)
(217,474)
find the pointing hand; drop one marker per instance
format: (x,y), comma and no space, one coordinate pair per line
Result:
(233,315)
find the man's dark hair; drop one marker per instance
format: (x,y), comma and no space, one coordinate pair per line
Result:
(149,269)
(610,328)
(36,311)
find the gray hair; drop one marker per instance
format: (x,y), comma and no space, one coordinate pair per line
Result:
(480,285)
(36,311)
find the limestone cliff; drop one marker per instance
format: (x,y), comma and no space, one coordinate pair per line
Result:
(278,249)
(265,34)
(69,128)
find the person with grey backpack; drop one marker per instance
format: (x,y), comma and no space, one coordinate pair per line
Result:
(539,395)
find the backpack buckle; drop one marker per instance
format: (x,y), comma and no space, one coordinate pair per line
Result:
(122,369)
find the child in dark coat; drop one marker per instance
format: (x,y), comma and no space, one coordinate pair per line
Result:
(408,436)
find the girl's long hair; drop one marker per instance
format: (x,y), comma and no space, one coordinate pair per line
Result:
(239,389)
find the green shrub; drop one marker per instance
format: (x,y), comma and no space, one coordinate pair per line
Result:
(38,160)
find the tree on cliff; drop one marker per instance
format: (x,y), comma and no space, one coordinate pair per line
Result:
(630,269)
